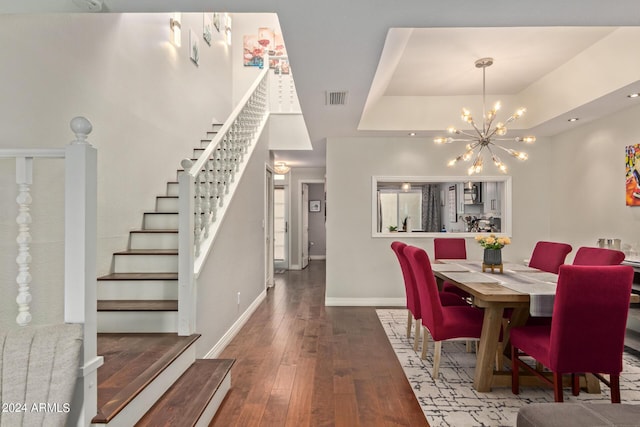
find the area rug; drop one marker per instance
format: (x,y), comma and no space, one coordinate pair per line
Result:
(451,400)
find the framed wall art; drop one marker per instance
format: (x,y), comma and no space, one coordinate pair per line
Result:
(314,205)
(632,177)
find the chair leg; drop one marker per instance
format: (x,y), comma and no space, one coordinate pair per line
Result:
(409,319)
(500,356)
(614,381)
(575,384)
(557,386)
(436,358)
(416,341)
(515,371)
(469,346)
(425,343)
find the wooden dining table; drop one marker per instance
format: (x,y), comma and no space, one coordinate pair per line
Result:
(491,292)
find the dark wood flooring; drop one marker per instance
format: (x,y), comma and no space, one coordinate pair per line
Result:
(299,363)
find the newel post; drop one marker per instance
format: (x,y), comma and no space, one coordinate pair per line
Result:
(186,257)
(81,185)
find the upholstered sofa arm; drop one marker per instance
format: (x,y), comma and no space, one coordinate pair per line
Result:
(38,372)
(579,415)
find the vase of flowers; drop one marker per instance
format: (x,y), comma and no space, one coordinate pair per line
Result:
(492,248)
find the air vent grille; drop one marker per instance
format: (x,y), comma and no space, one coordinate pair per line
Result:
(336,97)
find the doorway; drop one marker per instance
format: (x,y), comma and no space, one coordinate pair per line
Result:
(312,232)
(280,228)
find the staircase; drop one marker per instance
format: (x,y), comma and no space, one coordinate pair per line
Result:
(146,306)
(150,372)
(141,295)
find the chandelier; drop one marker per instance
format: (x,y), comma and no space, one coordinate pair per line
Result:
(486,136)
(281,168)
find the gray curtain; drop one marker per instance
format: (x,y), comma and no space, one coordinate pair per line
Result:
(431,208)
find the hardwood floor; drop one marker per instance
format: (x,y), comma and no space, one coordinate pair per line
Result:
(301,364)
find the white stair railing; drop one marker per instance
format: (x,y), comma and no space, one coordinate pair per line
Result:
(206,188)
(80,252)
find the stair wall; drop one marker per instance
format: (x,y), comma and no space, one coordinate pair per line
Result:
(237,260)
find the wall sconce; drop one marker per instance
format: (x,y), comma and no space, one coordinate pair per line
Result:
(176,29)
(281,168)
(227,28)
(406,187)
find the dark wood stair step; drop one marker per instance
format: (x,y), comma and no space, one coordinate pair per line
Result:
(137,305)
(139,276)
(148,252)
(131,362)
(188,397)
(156,231)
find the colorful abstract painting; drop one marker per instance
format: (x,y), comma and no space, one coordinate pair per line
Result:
(632,166)
(253,51)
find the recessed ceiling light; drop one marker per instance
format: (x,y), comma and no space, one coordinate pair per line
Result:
(412,134)
(573,119)
(633,95)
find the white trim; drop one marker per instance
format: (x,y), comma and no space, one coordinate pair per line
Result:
(365,302)
(294,267)
(235,328)
(317,257)
(507,210)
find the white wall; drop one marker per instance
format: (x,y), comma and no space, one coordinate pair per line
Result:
(237,260)
(362,269)
(588,172)
(149,105)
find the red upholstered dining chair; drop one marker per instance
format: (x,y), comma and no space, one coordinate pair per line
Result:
(598,256)
(590,307)
(549,256)
(411,290)
(461,322)
(454,248)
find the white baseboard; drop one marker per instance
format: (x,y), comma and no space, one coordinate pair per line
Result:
(365,302)
(235,328)
(294,267)
(317,257)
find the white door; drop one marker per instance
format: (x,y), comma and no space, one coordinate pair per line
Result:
(268,229)
(305,225)
(280,229)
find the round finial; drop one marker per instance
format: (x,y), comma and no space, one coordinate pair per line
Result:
(186,164)
(484,62)
(81,127)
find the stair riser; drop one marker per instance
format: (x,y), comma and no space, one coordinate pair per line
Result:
(172,189)
(163,221)
(154,241)
(216,401)
(137,321)
(141,404)
(137,289)
(166,204)
(145,263)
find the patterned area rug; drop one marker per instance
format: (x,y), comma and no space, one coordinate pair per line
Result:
(451,400)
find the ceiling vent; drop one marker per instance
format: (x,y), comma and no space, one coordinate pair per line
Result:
(336,97)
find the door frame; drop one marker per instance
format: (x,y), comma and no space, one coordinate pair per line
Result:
(304,210)
(268,228)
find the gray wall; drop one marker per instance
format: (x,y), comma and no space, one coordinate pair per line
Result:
(361,269)
(317,232)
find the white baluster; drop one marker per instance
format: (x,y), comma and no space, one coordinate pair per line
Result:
(24,175)
(197,206)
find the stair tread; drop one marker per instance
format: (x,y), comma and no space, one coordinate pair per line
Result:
(148,252)
(139,276)
(185,401)
(131,362)
(137,305)
(154,231)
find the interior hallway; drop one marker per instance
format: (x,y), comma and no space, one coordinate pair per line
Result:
(300,363)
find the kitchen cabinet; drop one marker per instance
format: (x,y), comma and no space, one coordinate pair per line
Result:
(492,191)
